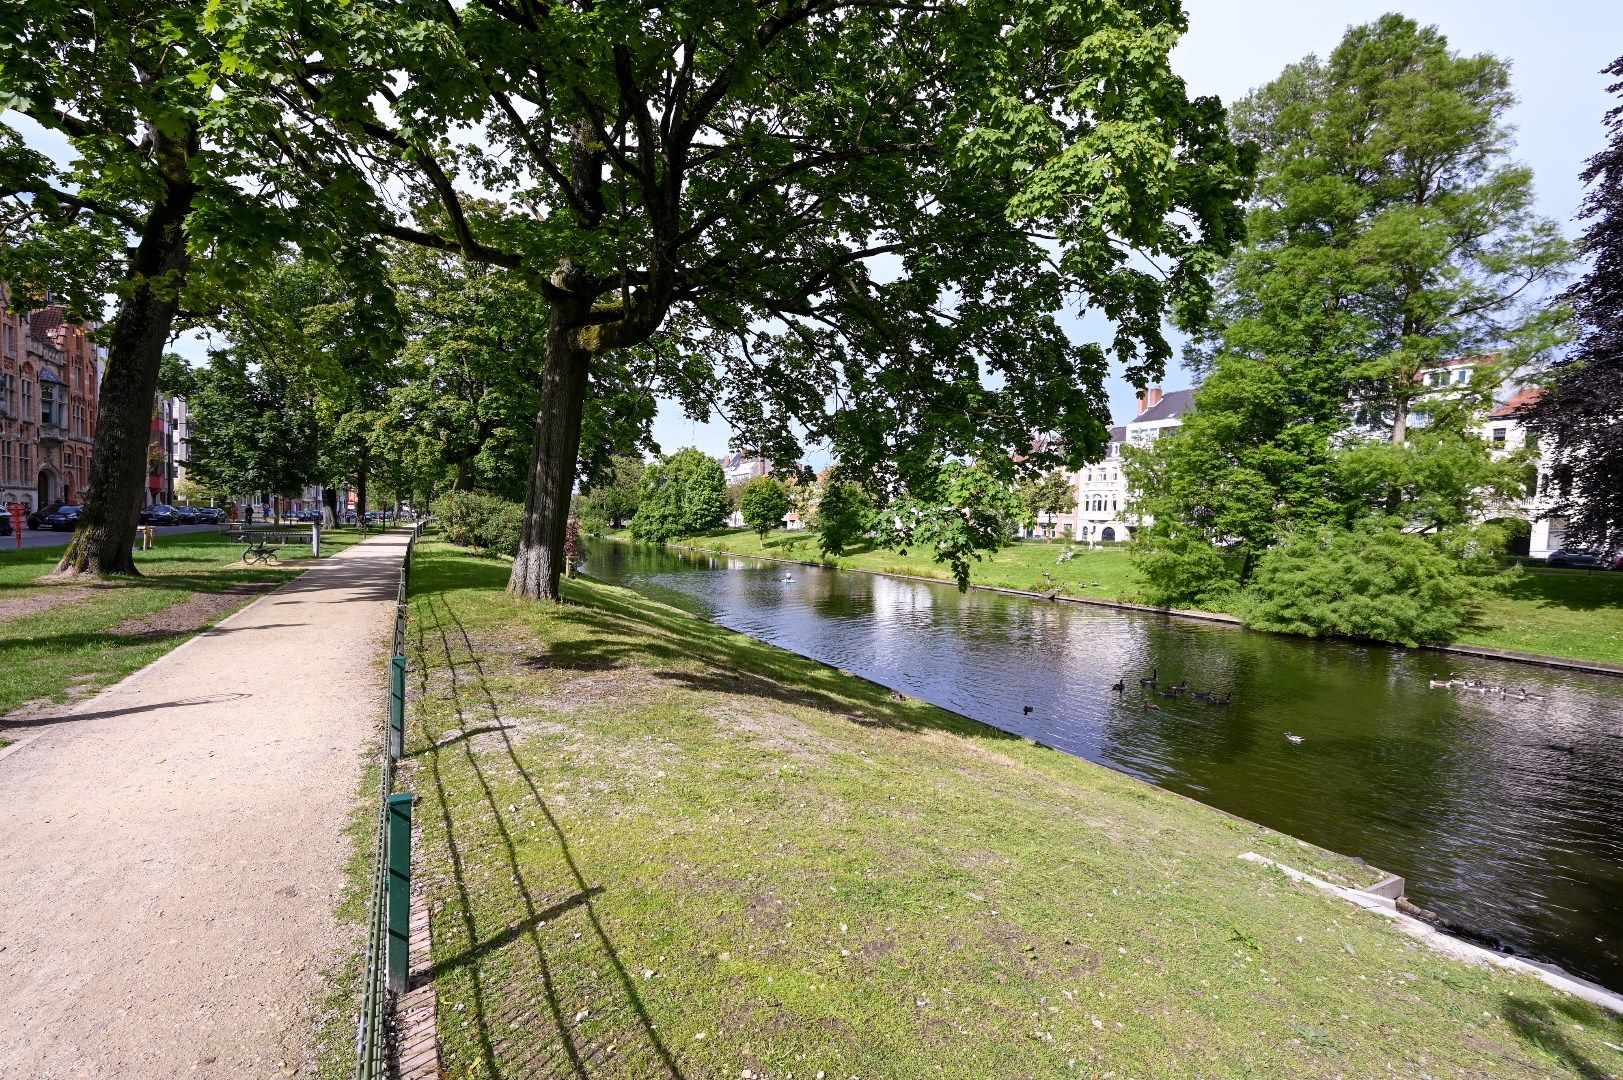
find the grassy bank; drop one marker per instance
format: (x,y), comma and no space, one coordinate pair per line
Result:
(655,847)
(63,641)
(1572,614)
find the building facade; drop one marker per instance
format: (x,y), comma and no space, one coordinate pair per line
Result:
(1101,515)
(50,378)
(1102,493)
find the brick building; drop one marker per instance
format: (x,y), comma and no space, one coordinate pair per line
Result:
(50,376)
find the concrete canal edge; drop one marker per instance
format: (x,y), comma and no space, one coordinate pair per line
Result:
(1587,667)
(1381,899)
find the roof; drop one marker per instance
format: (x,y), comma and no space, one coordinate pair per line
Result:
(1118,433)
(1170,407)
(1518,401)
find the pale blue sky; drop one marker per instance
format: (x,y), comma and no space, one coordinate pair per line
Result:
(1556,49)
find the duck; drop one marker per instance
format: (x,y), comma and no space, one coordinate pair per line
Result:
(1295,738)
(1119,686)
(1180,686)
(1027,710)
(788,577)
(1441,684)
(1153,680)
(1220,699)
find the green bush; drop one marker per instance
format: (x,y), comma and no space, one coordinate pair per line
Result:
(1372,581)
(482,521)
(1177,567)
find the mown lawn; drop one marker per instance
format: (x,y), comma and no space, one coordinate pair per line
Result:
(653,847)
(61,641)
(1573,614)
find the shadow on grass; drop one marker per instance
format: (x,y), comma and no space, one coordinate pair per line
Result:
(1570,590)
(501,1007)
(1542,1025)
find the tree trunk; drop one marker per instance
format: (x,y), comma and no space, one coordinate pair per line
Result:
(329,503)
(540,558)
(363,461)
(102,544)
(1400,423)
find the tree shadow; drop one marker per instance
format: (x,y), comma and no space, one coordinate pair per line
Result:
(104,714)
(1538,1025)
(1569,590)
(439,632)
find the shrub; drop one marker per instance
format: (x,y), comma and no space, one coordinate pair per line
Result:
(482,521)
(1372,581)
(1178,567)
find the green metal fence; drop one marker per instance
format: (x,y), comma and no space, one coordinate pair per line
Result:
(388,941)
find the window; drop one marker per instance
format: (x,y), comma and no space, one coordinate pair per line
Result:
(1498,438)
(28,399)
(23,454)
(47,404)
(1462,375)
(6,473)
(11,340)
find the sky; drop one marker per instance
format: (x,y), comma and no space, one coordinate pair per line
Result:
(1556,49)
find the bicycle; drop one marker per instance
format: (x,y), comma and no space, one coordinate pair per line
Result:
(259,553)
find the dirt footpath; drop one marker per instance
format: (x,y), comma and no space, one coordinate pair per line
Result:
(172,851)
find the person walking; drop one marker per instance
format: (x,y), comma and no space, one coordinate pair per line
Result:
(248,514)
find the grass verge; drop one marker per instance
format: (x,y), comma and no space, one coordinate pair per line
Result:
(655,847)
(63,641)
(1571,614)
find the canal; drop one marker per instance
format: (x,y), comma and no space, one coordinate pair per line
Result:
(1504,814)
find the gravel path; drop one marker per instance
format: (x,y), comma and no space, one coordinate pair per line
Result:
(172,851)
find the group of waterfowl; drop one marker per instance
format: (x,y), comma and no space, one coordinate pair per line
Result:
(1519,693)
(1175,690)
(1151,683)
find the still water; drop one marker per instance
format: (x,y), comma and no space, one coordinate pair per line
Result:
(1503,814)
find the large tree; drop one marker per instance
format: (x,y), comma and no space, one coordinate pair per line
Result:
(155,202)
(1390,232)
(827,219)
(253,430)
(470,372)
(1580,415)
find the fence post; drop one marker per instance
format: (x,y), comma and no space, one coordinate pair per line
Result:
(397,706)
(315,539)
(399,890)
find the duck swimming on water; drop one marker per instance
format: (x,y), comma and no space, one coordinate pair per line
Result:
(1295,738)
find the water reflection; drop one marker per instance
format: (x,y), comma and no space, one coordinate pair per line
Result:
(1501,813)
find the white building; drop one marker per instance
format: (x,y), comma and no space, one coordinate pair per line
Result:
(1101,488)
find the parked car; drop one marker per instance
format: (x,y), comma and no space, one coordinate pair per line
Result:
(5,522)
(64,518)
(210,515)
(1576,558)
(159,514)
(187,515)
(37,516)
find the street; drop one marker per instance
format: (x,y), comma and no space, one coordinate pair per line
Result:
(37,538)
